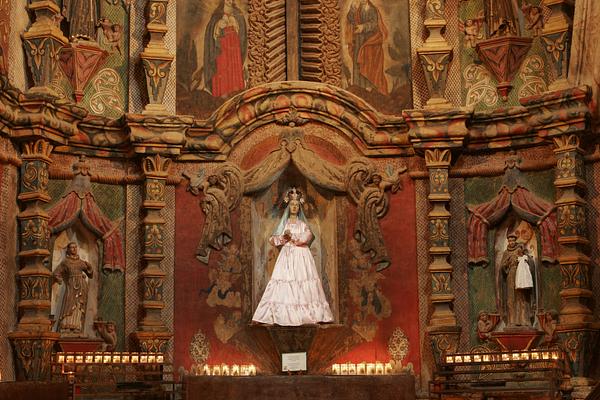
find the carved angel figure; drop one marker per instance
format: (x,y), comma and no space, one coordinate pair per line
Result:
(222,192)
(112,33)
(535,18)
(472,29)
(367,188)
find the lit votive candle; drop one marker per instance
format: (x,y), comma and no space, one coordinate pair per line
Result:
(216,370)
(225,369)
(135,358)
(97,357)
(344,369)
(388,368)
(555,355)
(235,370)
(152,359)
(160,358)
(545,355)
(516,356)
(379,369)
(335,369)
(361,368)
(505,357)
(351,369)
(144,358)
(125,358)
(458,359)
(89,358)
(524,356)
(535,355)
(370,369)
(205,370)
(486,358)
(467,359)
(449,359)
(252,370)
(60,358)
(477,358)
(116,359)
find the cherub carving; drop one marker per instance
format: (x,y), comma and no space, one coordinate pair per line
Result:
(367,188)
(112,33)
(472,29)
(486,324)
(535,18)
(108,333)
(222,193)
(548,321)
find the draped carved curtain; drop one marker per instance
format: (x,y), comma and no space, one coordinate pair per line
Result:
(74,206)
(527,206)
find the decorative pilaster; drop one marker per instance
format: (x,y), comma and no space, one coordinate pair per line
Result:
(563,116)
(556,38)
(152,334)
(42,42)
(578,328)
(571,215)
(436,54)
(156,59)
(435,134)
(442,299)
(33,339)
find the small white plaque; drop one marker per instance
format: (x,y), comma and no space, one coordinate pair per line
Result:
(293,362)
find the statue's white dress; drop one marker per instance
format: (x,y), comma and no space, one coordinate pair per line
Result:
(294,295)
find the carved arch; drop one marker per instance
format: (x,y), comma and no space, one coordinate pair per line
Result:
(365,185)
(295,104)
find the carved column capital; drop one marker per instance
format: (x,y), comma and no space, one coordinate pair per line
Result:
(443,340)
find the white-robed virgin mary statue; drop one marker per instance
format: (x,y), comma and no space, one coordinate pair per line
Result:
(294,295)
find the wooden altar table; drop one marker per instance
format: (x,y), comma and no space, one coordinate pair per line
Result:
(300,387)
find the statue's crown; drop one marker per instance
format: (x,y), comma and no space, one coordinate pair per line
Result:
(293,194)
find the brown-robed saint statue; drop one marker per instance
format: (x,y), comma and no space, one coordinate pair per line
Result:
(70,272)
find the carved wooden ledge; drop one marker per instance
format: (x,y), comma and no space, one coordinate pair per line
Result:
(375,133)
(290,104)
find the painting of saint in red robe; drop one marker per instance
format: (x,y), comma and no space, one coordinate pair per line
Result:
(365,34)
(225,50)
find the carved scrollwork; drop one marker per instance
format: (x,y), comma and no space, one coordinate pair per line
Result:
(222,191)
(257,42)
(367,188)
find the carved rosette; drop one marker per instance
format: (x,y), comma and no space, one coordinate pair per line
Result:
(152,334)
(33,340)
(438,163)
(556,38)
(436,54)
(156,59)
(42,42)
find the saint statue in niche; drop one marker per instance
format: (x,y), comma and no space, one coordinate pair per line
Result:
(225,50)
(82,16)
(72,272)
(516,284)
(365,36)
(294,295)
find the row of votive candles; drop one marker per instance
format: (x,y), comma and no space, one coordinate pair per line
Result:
(516,356)
(228,370)
(363,368)
(109,358)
